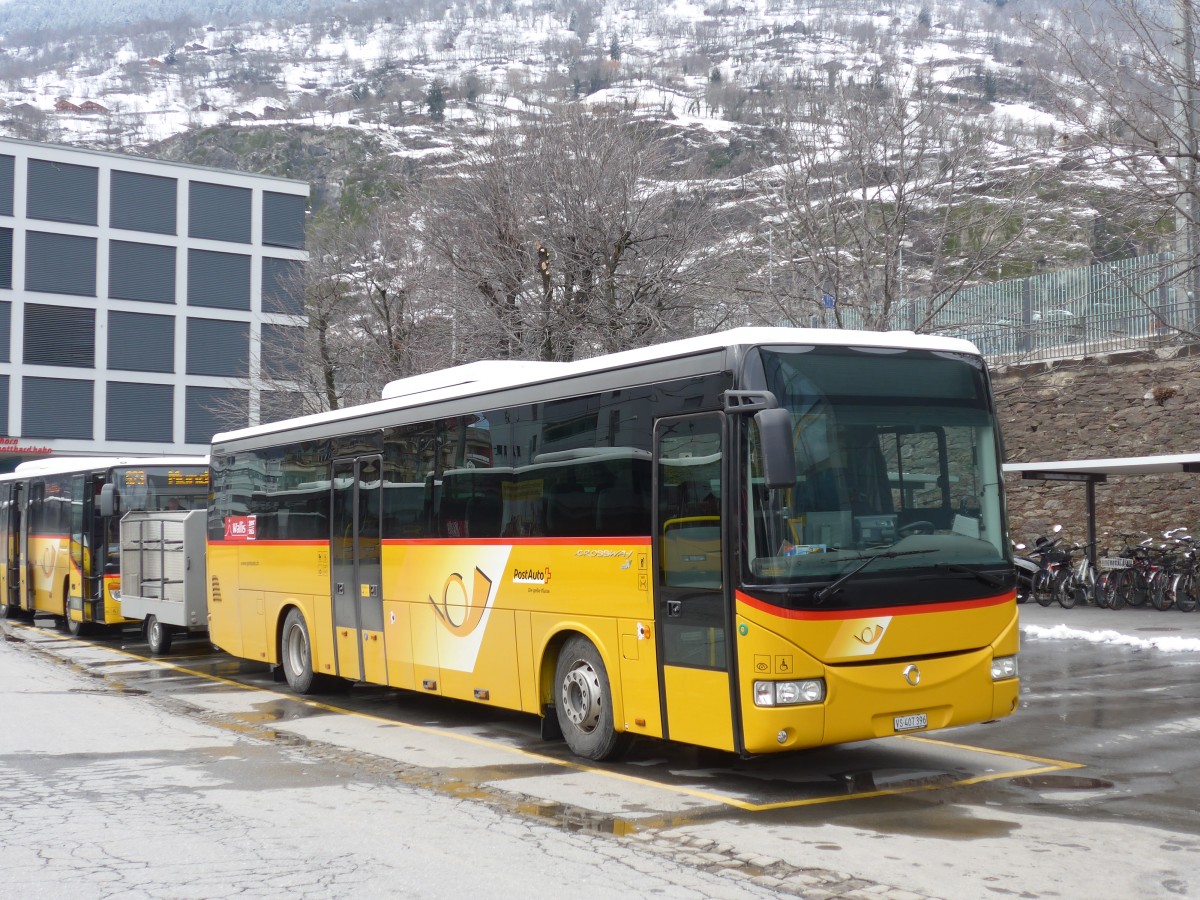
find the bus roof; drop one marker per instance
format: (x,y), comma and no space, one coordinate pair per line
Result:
(67,465)
(488,376)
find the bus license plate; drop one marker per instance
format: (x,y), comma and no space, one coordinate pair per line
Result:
(911,723)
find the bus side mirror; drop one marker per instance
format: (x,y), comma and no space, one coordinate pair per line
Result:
(778,452)
(108,499)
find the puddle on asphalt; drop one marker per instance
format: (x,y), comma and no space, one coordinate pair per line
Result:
(1061,782)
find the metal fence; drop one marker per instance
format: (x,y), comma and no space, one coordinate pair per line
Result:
(1129,304)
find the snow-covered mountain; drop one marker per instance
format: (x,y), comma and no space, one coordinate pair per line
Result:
(150,70)
(359,97)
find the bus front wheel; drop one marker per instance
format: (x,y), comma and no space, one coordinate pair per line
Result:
(583,701)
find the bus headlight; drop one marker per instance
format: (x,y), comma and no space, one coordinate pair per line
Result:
(789,693)
(1004,667)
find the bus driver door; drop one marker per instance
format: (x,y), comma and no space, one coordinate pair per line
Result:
(689,602)
(355,569)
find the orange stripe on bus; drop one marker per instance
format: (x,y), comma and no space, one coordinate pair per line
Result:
(900,610)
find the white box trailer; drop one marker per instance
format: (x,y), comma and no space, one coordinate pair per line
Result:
(163,573)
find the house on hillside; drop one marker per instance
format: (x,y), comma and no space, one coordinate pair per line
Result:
(65,105)
(91,106)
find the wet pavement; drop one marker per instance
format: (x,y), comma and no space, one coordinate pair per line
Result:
(1091,788)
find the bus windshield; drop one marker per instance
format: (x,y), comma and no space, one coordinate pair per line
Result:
(152,487)
(898,469)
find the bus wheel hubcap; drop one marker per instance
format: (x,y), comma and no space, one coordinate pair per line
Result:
(296,650)
(581,696)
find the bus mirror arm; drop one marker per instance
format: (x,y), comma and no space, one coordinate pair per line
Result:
(108,499)
(778,451)
(775,434)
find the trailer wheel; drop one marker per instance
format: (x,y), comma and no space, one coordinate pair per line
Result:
(158,636)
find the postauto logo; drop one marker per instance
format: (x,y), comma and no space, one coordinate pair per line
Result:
(531,576)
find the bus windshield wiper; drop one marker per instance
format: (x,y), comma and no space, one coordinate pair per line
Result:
(829,590)
(985,577)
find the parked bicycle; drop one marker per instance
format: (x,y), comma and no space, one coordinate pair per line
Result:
(1050,558)
(1185,586)
(1129,584)
(1173,560)
(1075,582)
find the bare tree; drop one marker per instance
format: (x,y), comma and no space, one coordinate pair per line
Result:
(884,195)
(1132,99)
(370,315)
(564,239)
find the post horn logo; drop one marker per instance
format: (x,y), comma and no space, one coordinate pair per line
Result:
(473,603)
(870,635)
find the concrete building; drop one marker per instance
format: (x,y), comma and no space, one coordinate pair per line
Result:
(139,300)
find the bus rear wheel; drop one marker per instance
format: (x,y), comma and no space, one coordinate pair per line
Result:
(297,654)
(583,701)
(158,635)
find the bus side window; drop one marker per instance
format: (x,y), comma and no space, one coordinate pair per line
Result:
(570,510)
(483,515)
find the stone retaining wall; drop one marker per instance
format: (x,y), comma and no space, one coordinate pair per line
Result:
(1130,404)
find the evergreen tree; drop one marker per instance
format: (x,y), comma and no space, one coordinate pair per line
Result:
(435,100)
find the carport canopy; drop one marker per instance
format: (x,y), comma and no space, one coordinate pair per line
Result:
(1091,472)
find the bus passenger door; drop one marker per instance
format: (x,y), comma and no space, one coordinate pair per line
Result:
(31,500)
(10,527)
(355,569)
(690,602)
(78,608)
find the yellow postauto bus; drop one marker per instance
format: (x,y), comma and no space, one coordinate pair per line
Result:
(60,530)
(759,540)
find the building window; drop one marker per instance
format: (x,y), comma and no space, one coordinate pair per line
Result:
(218,348)
(6,185)
(219,212)
(283,220)
(218,280)
(56,408)
(282,291)
(143,202)
(60,192)
(60,263)
(276,406)
(140,342)
(60,336)
(282,351)
(143,272)
(6,235)
(139,412)
(5,331)
(213,410)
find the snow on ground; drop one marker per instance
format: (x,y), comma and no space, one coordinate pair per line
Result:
(1168,644)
